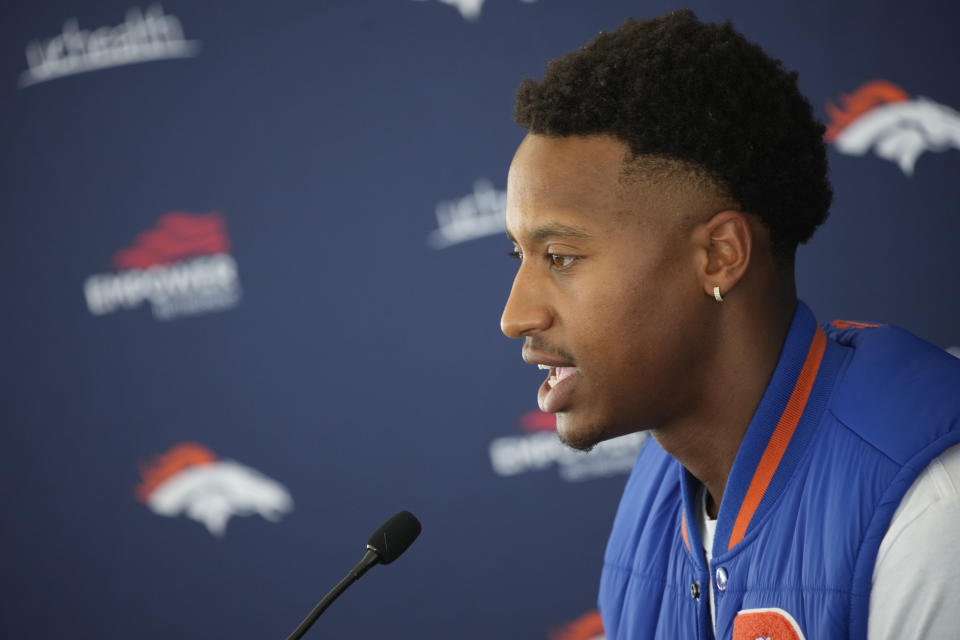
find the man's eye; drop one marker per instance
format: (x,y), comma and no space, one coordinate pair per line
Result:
(516,254)
(558,261)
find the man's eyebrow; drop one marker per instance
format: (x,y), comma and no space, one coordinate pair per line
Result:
(554,230)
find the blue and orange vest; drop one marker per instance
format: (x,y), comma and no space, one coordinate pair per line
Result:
(852,415)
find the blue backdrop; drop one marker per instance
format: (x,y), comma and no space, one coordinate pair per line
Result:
(253,267)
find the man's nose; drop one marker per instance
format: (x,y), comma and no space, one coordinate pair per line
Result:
(526,312)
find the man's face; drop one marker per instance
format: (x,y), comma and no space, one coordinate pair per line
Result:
(606,295)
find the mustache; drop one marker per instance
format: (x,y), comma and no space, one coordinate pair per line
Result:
(537,343)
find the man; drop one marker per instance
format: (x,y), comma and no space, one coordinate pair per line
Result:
(670,171)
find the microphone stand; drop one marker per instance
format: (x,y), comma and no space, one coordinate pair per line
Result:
(370,558)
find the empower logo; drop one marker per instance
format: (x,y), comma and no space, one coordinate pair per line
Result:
(141,37)
(476,215)
(191,480)
(881,116)
(539,448)
(181,267)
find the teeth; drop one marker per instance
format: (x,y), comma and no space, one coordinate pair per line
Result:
(543,366)
(552,381)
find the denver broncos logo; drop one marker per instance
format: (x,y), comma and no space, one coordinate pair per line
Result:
(189,479)
(766,624)
(882,116)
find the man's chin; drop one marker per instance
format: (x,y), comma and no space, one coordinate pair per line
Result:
(577,434)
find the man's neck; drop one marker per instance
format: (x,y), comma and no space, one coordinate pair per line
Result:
(706,439)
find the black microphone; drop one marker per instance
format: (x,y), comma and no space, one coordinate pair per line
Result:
(384,546)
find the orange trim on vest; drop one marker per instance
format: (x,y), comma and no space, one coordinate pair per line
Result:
(683,529)
(853,324)
(777,445)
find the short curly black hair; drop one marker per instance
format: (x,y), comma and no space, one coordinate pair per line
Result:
(703,96)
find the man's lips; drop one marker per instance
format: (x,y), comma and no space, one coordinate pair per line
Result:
(555,391)
(532,356)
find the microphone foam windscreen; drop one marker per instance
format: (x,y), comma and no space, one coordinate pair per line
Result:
(394,536)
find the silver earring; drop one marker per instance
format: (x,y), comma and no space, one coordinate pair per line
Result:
(716,293)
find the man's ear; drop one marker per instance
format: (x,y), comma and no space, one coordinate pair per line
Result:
(725,242)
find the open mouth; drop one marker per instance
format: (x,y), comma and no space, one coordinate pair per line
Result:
(556,391)
(557,374)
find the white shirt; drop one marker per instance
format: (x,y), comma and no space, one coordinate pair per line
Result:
(916,577)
